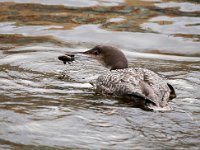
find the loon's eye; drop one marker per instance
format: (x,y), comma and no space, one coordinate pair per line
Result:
(96,53)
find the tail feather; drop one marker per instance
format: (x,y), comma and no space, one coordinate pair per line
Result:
(172,92)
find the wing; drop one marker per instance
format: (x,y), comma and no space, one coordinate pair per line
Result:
(139,83)
(159,86)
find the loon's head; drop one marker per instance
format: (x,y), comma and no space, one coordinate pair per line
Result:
(109,56)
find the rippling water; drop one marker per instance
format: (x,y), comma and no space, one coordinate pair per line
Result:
(38,110)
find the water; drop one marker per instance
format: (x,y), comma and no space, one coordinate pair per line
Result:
(38,110)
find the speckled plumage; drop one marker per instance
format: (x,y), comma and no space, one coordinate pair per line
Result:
(131,81)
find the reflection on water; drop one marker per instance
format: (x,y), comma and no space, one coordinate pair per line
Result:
(184,6)
(38,110)
(131,40)
(177,25)
(71,3)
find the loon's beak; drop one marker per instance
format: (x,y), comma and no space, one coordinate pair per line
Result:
(88,52)
(70,56)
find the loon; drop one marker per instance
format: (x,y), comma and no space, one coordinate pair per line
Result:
(141,85)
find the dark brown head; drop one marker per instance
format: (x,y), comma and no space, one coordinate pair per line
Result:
(109,56)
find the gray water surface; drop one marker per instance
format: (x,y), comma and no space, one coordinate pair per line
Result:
(39,110)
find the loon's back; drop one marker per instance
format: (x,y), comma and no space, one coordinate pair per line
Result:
(136,83)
